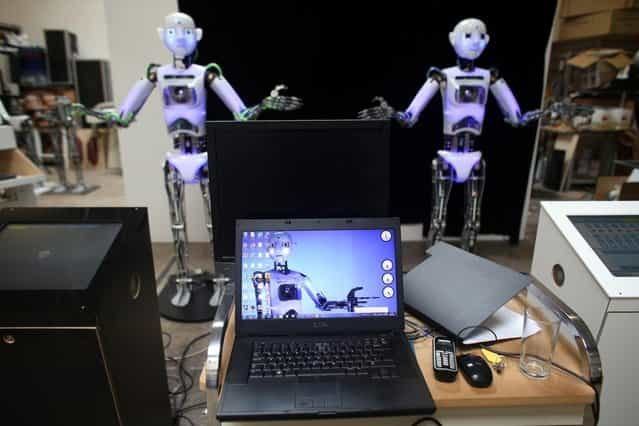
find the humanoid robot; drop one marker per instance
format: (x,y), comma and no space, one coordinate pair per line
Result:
(183,86)
(23,126)
(278,292)
(464,91)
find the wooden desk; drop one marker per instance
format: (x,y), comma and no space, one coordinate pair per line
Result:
(512,399)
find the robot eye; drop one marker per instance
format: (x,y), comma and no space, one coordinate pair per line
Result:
(483,36)
(467,35)
(287,244)
(188,32)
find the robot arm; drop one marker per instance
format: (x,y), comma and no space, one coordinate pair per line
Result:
(408,118)
(137,96)
(225,91)
(505,99)
(423,97)
(317,297)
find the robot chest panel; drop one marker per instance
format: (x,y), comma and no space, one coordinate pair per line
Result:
(286,287)
(183,92)
(467,89)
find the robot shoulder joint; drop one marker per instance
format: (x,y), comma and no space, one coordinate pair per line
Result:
(213,71)
(494,75)
(152,72)
(436,74)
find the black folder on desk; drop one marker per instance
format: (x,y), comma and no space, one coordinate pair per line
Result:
(455,289)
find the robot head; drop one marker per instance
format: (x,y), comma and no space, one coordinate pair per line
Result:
(279,246)
(180,35)
(469,38)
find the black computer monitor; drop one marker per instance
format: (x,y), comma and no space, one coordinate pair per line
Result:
(296,169)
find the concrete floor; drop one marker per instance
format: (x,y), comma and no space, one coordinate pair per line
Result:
(111,193)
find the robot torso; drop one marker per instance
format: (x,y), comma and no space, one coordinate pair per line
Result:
(183,99)
(464,98)
(284,293)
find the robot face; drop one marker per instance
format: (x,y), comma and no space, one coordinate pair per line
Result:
(469,38)
(279,246)
(180,35)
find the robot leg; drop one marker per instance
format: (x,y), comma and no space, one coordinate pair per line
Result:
(76,160)
(60,167)
(206,196)
(442,184)
(472,210)
(175,193)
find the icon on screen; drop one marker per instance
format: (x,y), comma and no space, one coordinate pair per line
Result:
(387,265)
(388,292)
(387,278)
(386,236)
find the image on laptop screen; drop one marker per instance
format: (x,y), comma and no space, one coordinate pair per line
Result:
(298,274)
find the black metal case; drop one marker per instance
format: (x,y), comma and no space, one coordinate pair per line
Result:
(81,353)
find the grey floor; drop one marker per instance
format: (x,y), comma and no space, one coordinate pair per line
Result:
(111,193)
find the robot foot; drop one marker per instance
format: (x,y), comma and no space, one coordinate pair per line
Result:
(182,296)
(434,235)
(469,240)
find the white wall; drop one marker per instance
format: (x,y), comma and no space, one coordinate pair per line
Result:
(84,17)
(134,43)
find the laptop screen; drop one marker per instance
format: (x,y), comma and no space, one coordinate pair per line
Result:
(301,274)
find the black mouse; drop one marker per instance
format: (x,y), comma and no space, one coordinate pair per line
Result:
(475,370)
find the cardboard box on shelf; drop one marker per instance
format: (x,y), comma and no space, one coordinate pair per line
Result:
(595,67)
(621,21)
(571,8)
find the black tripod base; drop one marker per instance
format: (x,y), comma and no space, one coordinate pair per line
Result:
(198,309)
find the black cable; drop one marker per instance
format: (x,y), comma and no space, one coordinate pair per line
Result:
(193,407)
(179,417)
(166,346)
(426,419)
(473,327)
(416,332)
(182,370)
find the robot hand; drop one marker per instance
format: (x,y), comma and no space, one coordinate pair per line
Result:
(530,117)
(108,117)
(567,110)
(274,101)
(384,111)
(278,102)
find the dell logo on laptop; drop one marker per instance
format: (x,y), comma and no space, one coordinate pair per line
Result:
(320,324)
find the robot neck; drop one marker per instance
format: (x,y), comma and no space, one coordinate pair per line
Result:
(281,267)
(182,63)
(465,64)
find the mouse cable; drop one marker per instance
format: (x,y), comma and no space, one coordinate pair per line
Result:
(426,419)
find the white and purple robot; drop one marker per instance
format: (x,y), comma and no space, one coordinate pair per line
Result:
(464,91)
(278,292)
(183,90)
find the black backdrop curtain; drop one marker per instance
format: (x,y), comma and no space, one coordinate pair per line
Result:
(338,57)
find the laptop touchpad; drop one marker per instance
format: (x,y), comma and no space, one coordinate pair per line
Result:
(318,394)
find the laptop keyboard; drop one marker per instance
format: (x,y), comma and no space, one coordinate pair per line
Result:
(366,357)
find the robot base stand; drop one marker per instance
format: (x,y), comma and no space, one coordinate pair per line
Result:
(198,309)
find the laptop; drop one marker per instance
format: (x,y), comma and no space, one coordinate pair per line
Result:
(319,323)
